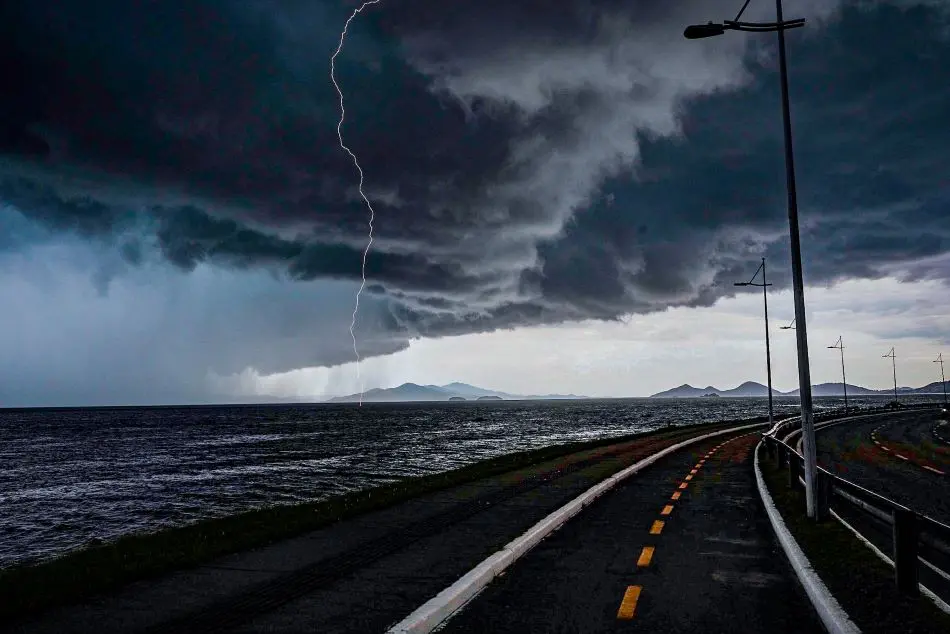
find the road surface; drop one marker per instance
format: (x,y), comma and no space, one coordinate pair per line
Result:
(896,465)
(684,546)
(900,456)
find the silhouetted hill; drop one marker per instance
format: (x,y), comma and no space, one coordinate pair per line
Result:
(410,392)
(753,389)
(747,389)
(683,391)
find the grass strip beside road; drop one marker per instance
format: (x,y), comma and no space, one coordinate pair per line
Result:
(99,569)
(856,577)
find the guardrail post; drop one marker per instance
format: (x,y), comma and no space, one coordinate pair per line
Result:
(794,469)
(905,551)
(823,486)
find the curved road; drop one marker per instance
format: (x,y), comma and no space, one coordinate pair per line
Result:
(684,546)
(894,466)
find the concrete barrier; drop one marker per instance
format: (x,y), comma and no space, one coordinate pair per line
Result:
(832,615)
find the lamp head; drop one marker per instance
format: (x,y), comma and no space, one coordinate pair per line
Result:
(700,31)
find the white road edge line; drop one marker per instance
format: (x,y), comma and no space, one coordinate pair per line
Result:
(442,606)
(929,468)
(832,615)
(877,551)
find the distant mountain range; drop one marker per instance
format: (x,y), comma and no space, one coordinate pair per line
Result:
(409,392)
(751,388)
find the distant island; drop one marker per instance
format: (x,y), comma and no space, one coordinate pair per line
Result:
(411,392)
(753,389)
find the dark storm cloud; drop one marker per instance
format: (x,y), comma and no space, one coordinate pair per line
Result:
(490,134)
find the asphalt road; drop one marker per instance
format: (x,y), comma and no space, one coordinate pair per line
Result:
(360,575)
(712,566)
(894,467)
(901,457)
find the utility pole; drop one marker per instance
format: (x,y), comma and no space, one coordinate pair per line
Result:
(698,31)
(844,383)
(943,378)
(768,352)
(893,357)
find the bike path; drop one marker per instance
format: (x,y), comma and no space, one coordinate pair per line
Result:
(683,547)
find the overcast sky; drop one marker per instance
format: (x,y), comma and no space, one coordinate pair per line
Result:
(563,199)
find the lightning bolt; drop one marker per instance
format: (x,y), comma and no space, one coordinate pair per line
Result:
(372,212)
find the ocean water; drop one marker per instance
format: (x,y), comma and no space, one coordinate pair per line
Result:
(69,476)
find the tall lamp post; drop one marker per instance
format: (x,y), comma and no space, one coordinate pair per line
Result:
(893,357)
(839,345)
(768,353)
(943,378)
(697,31)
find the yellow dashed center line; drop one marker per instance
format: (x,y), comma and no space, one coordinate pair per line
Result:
(646,556)
(629,604)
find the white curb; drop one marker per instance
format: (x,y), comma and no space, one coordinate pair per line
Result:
(440,607)
(832,615)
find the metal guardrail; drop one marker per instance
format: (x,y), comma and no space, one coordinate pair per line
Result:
(916,538)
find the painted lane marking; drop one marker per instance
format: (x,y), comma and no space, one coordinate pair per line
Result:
(684,485)
(675,496)
(646,556)
(900,456)
(657,527)
(885,448)
(667,509)
(629,603)
(937,471)
(687,478)
(694,471)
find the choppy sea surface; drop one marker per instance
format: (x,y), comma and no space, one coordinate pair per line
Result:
(69,476)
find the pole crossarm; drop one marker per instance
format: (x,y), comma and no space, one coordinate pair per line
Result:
(763,27)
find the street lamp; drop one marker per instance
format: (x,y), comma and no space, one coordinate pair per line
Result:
(839,345)
(893,357)
(768,353)
(804,374)
(790,326)
(943,379)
